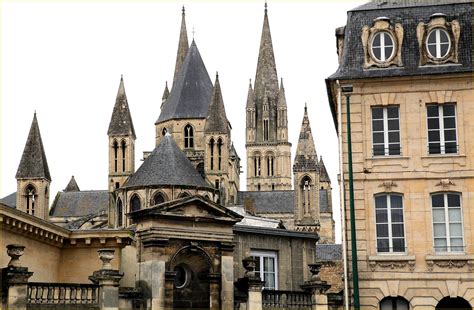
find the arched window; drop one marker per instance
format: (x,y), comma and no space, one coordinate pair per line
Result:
(265,130)
(135,203)
(119,213)
(211,151)
(219,154)
(115,156)
(453,303)
(305,189)
(188,136)
(270,165)
(158,198)
(30,194)
(394,303)
(164,131)
(123,145)
(183,195)
(256,165)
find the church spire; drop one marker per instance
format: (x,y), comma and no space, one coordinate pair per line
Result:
(266,75)
(183,46)
(72,186)
(217,119)
(323,173)
(306,151)
(281,96)
(166,93)
(33,163)
(121,122)
(250,96)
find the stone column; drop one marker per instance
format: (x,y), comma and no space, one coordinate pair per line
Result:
(108,280)
(254,284)
(227,273)
(215,291)
(169,287)
(317,288)
(15,280)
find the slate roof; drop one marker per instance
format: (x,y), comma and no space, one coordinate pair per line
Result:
(121,122)
(409,14)
(75,204)
(323,201)
(191,92)
(166,165)
(323,173)
(33,163)
(9,200)
(217,119)
(268,202)
(72,186)
(329,252)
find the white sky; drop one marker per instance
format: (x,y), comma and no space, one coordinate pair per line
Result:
(64,60)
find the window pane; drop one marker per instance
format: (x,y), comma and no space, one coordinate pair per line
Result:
(432,37)
(454,200)
(397,215)
(382,230)
(393,124)
(397,230)
(440,245)
(396,201)
(377,113)
(443,36)
(394,149)
(450,135)
(381,202)
(398,245)
(377,125)
(269,279)
(439,230)
(392,112)
(456,244)
(402,304)
(433,123)
(455,230)
(394,136)
(376,41)
(435,148)
(454,215)
(269,264)
(438,215)
(437,201)
(382,245)
(449,122)
(451,147)
(376,51)
(381,216)
(388,52)
(388,39)
(448,110)
(433,135)
(379,150)
(432,110)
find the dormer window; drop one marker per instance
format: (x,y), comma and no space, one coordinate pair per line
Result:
(382,46)
(438,43)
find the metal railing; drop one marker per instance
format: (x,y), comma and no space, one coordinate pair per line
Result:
(63,294)
(300,300)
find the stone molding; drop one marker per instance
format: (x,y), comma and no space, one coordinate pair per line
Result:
(388,186)
(445,184)
(450,261)
(391,261)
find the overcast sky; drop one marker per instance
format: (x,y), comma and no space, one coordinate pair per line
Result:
(64,60)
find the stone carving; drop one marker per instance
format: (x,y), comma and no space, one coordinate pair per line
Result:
(392,262)
(106,255)
(388,185)
(453,29)
(15,251)
(445,183)
(396,32)
(450,262)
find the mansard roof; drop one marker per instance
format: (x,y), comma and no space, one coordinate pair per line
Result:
(33,163)
(72,186)
(191,93)
(121,121)
(79,203)
(409,13)
(166,166)
(268,201)
(217,119)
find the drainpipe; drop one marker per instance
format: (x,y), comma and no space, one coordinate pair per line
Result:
(341,197)
(347,90)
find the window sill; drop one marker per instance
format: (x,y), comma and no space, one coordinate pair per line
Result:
(450,155)
(376,157)
(450,260)
(392,261)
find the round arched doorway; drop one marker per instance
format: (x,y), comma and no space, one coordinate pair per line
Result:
(453,303)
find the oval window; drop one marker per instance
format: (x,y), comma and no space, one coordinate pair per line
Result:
(438,43)
(383,46)
(182,276)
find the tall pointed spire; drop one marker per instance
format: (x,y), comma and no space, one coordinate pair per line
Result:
(266,75)
(306,151)
(281,95)
(33,163)
(217,120)
(165,96)
(72,186)
(323,173)
(121,122)
(250,96)
(183,46)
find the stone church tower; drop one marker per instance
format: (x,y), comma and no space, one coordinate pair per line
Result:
(33,177)
(268,149)
(121,142)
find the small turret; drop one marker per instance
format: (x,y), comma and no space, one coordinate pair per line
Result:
(165,96)
(72,186)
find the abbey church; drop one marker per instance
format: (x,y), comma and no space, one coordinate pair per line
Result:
(180,222)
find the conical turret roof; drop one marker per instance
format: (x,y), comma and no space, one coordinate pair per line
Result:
(306,150)
(33,163)
(323,173)
(72,186)
(191,94)
(121,122)
(166,165)
(217,119)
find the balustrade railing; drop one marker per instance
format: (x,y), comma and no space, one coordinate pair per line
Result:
(63,293)
(272,299)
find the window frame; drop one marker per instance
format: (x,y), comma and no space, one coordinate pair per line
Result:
(382,47)
(393,301)
(438,43)
(260,255)
(119,210)
(385,119)
(447,223)
(135,195)
(389,224)
(188,136)
(441,129)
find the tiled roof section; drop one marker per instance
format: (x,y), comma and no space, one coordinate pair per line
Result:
(33,162)
(323,201)
(166,165)
(323,173)
(72,186)
(183,47)
(78,204)
(191,93)
(9,200)
(121,122)
(328,252)
(268,202)
(409,16)
(217,119)
(390,4)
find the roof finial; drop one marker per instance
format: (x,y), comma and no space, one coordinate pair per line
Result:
(266,7)
(166,84)
(193,33)
(121,77)
(305,108)
(217,75)
(183,10)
